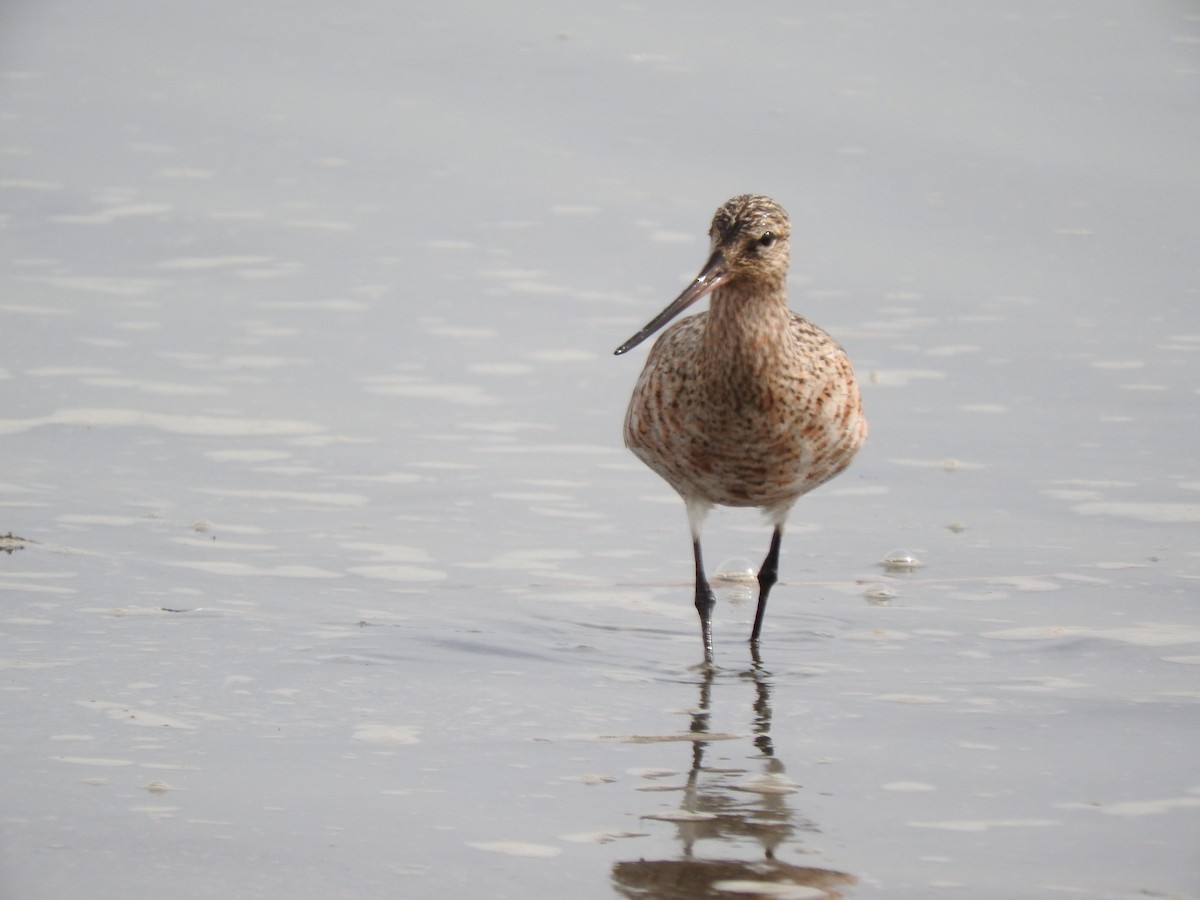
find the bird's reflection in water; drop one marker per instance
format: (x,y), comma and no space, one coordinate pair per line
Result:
(731,807)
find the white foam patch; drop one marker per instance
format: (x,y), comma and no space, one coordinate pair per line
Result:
(98,284)
(247,455)
(770,889)
(1043,684)
(326,440)
(681,737)
(186,173)
(156,387)
(531,497)
(319,224)
(983,408)
(948,464)
(6,584)
(984,824)
(1137,807)
(128,716)
(876,634)
(1070,494)
(399,573)
(227,546)
(30,184)
(333,304)
(390,552)
(27,663)
(589,778)
(505,427)
(1029,583)
(600,837)
(203,525)
(517,848)
(236,214)
(67,371)
(241,570)
(1168,513)
(214,262)
(911,699)
(113,213)
(526,560)
(98,519)
(212,426)
(902,377)
(865,490)
(21,309)
(449,244)
(768,785)
(682,815)
(1146,634)
(553,449)
(312,498)
(261,362)
(1095,483)
(123,612)
(385,478)
(378,733)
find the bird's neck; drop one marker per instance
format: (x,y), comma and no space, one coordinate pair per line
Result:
(747,317)
(745,342)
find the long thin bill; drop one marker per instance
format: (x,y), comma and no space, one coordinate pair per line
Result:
(711,277)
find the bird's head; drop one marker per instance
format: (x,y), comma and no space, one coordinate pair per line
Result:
(749,245)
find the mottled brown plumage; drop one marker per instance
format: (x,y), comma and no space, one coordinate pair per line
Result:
(747,404)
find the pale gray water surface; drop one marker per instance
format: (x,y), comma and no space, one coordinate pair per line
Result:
(336,581)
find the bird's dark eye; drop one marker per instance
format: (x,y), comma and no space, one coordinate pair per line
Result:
(767,239)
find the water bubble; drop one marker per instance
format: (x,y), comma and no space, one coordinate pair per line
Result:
(879,594)
(735,571)
(734,581)
(901,561)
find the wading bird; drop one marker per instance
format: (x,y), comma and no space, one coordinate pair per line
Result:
(746,404)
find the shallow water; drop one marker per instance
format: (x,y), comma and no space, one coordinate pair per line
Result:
(328,574)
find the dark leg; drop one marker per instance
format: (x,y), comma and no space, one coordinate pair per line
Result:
(705,601)
(767,576)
